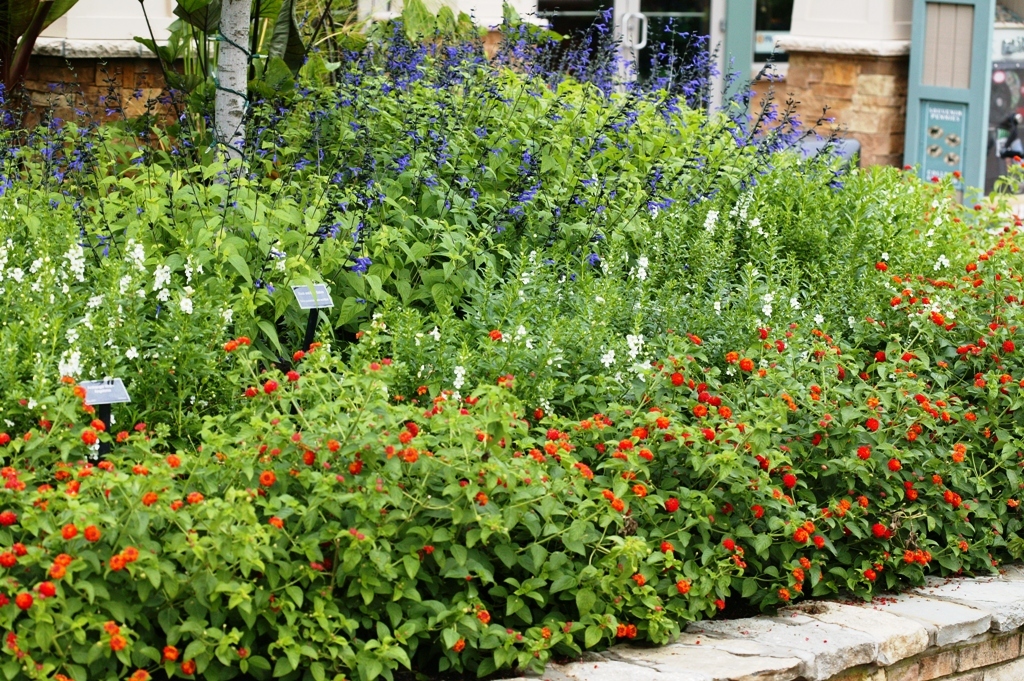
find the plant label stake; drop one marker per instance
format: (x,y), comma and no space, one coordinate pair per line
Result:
(313,297)
(102,394)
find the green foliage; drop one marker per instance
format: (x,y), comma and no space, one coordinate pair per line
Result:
(599,365)
(21,22)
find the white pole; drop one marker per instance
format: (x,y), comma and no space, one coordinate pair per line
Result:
(718,28)
(232,75)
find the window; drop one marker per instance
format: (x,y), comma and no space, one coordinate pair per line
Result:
(772,19)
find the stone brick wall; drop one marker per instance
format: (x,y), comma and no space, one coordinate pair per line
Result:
(866,94)
(985,658)
(950,630)
(92,86)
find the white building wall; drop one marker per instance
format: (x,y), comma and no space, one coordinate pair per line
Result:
(484,12)
(107,28)
(112,20)
(853,19)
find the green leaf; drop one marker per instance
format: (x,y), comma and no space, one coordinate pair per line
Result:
(447,25)
(11,669)
(58,8)
(286,40)
(510,15)
(506,554)
(592,636)
(271,333)
(449,637)
(283,666)
(563,582)
(164,52)
(15,19)
(203,14)
(761,543)
(412,565)
(296,594)
(488,665)
(585,600)
(317,670)
(194,649)
(370,670)
(418,21)
(269,8)
(240,265)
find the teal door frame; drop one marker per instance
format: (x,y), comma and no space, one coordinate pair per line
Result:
(738,47)
(975,98)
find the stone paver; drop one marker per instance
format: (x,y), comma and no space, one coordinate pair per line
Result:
(950,629)
(826,649)
(614,670)
(713,662)
(1002,598)
(946,622)
(897,637)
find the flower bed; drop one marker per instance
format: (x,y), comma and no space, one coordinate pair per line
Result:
(323,527)
(640,366)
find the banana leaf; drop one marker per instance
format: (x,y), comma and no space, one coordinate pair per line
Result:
(203,14)
(286,41)
(21,22)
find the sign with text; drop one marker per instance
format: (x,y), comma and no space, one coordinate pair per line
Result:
(944,127)
(107,391)
(313,297)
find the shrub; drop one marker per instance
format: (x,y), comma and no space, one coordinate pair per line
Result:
(600,365)
(423,178)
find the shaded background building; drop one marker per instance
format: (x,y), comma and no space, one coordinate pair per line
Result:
(880,66)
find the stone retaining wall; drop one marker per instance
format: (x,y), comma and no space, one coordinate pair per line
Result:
(953,629)
(99,88)
(866,94)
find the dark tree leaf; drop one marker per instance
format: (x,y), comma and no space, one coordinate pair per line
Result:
(286,41)
(203,14)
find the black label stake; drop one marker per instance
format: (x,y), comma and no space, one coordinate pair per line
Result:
(102,394)
(314,298)
(105,417)
(314,317)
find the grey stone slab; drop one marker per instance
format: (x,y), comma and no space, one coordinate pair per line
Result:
(616,670)
(1002,598)
(1013,573)
(704,658)
(947,622)
(825,649)
(897,637)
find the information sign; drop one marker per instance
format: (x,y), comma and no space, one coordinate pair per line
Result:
(944,128)
(107,391)
(313,297)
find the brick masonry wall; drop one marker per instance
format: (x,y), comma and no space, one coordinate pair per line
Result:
(949,630)
(92,86)
(867,95)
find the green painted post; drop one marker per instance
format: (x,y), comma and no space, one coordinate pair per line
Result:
(739,42)
(947,127)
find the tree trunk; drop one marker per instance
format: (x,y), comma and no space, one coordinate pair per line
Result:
(232,75)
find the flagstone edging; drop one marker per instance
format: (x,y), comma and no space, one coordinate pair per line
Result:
(947,630)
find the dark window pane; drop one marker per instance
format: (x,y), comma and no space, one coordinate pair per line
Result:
(571,17)
(655,6)
(676,27)
(773,17)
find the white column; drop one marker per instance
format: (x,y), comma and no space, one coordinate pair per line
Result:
(874,27)
(717,43)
